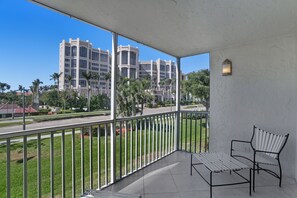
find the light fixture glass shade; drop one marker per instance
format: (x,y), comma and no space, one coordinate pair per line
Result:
(227,68)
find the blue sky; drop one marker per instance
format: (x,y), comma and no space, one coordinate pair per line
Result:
(30,37)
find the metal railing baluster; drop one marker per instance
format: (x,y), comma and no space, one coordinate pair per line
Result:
(149,140)
(91,156)
(121,150)
(126,148)
(99,157)
(131,147)
(153,140)
(195,138)
(82,161)
(63,162)
(106,154)
(39,177)
(136,144)
(140,144)
(73,163)
(191,133)
(8,168)
(52,164)
(200,141)
(145,141)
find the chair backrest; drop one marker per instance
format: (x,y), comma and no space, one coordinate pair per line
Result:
(266,141)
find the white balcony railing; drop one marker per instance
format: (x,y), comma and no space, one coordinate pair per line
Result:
(72,159)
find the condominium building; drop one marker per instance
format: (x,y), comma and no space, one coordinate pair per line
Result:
(128,61)
(158,72)
(77,57)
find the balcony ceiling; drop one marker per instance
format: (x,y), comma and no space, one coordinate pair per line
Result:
(185,27)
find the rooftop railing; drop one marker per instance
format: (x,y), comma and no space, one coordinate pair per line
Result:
(72,159)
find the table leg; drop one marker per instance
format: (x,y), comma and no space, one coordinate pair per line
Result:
(191,163)
(210,184)
(250,182)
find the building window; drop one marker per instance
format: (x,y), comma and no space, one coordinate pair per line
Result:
(81,71)
(124,57)
(73,83)
(132,73)
(67,60)
(67,65)
(95,68)
(124,72)
(66,70)
(95,56)
(83,64)
(73,63)
(132,58)
(162,67)
(74,51)
(172,68)
(82,83)
(83,52)
(67,51)
(73,73)
(103,57)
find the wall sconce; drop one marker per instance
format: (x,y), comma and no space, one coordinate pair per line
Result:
(227,68)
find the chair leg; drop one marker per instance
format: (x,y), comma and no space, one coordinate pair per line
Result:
(280,173)
(254,169)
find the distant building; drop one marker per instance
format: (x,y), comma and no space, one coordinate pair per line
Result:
(77,56)
(128,61)
(158,72)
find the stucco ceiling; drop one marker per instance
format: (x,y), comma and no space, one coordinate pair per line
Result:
(185,27)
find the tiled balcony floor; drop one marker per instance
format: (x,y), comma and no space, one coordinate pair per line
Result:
(170,177)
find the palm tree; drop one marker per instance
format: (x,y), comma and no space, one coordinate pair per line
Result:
(4,87)
(55,76)
(36,83)
(88,76)
(68,79)
(107,77)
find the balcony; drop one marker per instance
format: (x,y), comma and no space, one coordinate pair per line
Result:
(170,177)
(71,160)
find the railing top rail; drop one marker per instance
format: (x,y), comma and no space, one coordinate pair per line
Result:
(196,112)
(145,116)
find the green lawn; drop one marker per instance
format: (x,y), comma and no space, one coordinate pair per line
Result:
(17,170)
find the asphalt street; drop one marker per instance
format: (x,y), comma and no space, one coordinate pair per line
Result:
(77,120)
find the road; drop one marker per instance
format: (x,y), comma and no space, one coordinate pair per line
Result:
(147,111)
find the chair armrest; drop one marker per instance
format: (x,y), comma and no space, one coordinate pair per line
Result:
(239,141)
(242,141)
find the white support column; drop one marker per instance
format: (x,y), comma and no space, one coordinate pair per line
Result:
(114,66)
(177,104)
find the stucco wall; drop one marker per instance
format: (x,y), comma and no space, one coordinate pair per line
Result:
(262,91)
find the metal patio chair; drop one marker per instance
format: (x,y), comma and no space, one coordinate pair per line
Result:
(263,149)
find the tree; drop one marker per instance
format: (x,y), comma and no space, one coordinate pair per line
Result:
(198,86)
(107,78)
(88,76)
(68,79)
(4,87)
(55,77)
(132,94)
(35,91)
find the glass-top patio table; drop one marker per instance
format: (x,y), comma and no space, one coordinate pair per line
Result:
(218,162)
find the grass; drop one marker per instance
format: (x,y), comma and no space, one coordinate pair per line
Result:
(16,162)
